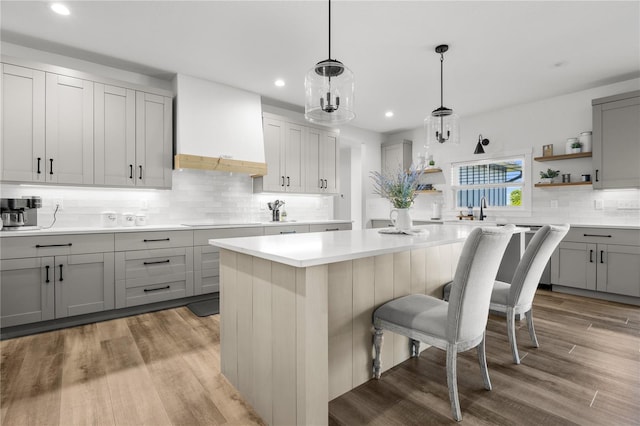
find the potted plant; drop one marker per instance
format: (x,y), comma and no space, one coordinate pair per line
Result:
(400,188)
(547,177)
(576,147)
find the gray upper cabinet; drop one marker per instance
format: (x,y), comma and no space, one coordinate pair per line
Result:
(396,155)
(22,151)
(322,172)
(616,141)
(68,129)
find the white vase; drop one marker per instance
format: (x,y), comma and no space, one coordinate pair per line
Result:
(402,220)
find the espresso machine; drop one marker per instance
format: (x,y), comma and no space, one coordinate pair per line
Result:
(19,213)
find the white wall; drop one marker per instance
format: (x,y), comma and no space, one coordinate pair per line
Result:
(528,127)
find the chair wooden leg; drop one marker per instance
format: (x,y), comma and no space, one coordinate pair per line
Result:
(377,346)
(452,381)
(511,332)
(414,348)
(532,331)
(482,359)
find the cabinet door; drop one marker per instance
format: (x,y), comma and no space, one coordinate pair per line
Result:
(22,124)
(314,139)
(26,290)
(153,141)
(69,130)
(84,284)
(273,153)
(574,265)
(616,140)
(206,274)
(329,163)
(293,158)
(114,135)
(392,158)
(619,269)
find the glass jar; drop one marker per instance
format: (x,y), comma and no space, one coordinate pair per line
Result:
(585,140)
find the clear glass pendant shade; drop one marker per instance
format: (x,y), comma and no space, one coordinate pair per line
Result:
(443,128)
(329,93)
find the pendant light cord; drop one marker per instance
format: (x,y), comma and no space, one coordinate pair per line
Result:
(329,29)
(441,80)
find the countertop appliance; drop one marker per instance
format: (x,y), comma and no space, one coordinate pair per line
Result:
(19,212)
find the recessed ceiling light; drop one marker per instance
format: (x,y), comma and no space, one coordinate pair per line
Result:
(388,114)
(279,83)
(60,9)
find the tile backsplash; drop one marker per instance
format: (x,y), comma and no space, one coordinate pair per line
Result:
(196,197)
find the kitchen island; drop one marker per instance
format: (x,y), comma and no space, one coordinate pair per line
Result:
(296,310)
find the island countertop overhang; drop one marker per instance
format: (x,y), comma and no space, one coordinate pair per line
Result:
(319,248)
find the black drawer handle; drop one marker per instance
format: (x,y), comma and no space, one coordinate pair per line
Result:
(39,165)
(61,279)
(147,290)
(282,181)
(590,256)
(51,166)
(130,171)
(158,239)
(53,245)
(140,173)
(601,256)
(597,180)
(325,184)
(47,277)
(321,181)
(332,229)
(157,262)
(596,235)
(287,232)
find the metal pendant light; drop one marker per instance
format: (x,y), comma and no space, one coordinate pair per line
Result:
(329,88)
(442,125)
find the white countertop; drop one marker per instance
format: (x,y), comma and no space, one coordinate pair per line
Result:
(303,250)
(179,227)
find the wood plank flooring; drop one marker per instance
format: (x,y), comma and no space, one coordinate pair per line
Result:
(163,368)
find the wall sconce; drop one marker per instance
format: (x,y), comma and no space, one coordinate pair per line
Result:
(479,146)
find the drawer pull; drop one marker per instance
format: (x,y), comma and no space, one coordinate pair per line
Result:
(157,262)
(158,239)
(147,290)
(332,229)
(130,171)
(590,256)
(601,256)
(39,165)
(287,232)
(61,279)
(47,277)
(596,235)
(53,245)
(140,177)
(50,166)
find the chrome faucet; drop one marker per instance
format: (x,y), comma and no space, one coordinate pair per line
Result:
(483,205)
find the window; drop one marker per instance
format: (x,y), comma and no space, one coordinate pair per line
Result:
(501,181)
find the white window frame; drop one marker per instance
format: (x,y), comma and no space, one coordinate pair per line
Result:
(526,202)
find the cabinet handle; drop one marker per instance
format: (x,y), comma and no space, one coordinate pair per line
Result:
(332,229)
(50,166)
(282,180)
(590,256)
(287,232)
(320,184)
(147,290)
(157,262)
(157,239)
(597,180)
(130,171)
(61,279)
(596,235)
(39,165)
(46,280)
(140,177)
(53,245)
(288,181)
(601,256)
(325,184)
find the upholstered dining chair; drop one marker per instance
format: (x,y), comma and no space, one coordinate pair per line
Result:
(454,326)
(516,298)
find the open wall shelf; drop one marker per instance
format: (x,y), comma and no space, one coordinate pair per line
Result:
(544,185)
(564,156)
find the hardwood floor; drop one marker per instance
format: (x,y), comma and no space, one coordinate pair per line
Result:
(163,368)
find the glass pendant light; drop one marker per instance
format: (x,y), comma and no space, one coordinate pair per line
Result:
(329,89)
(443,124)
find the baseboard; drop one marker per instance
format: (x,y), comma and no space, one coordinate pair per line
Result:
(629,300)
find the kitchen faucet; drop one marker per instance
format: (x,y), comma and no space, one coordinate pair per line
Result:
(483,204)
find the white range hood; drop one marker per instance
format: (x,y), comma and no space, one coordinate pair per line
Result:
(218,127)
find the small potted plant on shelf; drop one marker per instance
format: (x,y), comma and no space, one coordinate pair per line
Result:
(547,177)
(576,147)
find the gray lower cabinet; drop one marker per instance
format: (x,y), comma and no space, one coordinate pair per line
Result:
(285,229)
(328,227)
(157,266)
(43,278)
(604,259)
(206,258)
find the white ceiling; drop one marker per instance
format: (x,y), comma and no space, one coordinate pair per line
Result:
(501,53)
